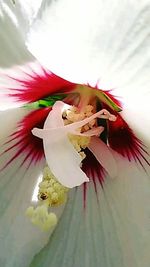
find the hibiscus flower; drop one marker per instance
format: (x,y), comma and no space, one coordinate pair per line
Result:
(74,136)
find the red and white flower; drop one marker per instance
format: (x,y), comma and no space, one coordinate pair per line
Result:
(90,53)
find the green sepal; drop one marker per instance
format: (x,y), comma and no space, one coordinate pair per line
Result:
(107,100)
(45,102)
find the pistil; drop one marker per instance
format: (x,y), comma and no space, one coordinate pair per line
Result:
(58,125)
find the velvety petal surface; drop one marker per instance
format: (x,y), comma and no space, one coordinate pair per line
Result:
(112,230)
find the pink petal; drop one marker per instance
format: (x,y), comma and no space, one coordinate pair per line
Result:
(103,154)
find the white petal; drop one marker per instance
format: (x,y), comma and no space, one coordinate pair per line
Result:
(9,83)
(112,230)
(136,114)
(83,41)
(104,156)
(21,12)
(19,240)
(27,11)
(13,52)
(12,46)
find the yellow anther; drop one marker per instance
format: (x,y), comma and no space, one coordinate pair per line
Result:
(52,182)
(57,186)
(44,184)
(52,194)
(82,154)
(54,197)
(51,189)
(41,217)
(79,142)
(89,108)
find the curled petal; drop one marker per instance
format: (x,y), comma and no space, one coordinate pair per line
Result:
(63,160)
